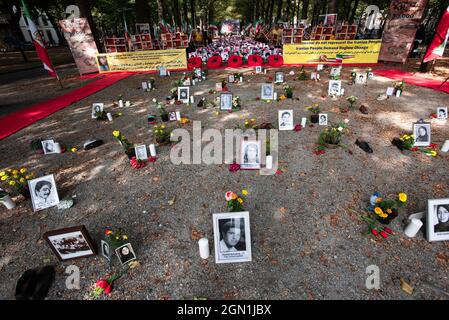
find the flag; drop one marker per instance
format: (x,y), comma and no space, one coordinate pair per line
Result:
(38,42)
(249,27)
(162,26)
(436,48)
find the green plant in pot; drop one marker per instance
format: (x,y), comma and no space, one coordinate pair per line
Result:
(315,110)
(352,100)
(288,91)
(161,134)
(163,112)
(128,147)
(331,136)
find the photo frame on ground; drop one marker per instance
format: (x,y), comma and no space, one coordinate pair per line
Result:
(226,101)
(184,94)
(44,193)
(125,254)
(334,88)
(141,152)
(285,119)
(251,154)
(442,113)
(438,219)
(322,119)
(49,146)
(422,134)
(267,91)
(279,77)
(360,78)
(97,108)
(106,250)
(163,71)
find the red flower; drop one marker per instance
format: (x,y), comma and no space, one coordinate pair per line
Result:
(311,126)
(235,61)
(254,60)
(108,289)
(234,167)
(433,146)
(388,230)
(374,231)
(384,234)
(136,163)
(194,62)
(298,127)
(278,171)
(108,232)
(414,149)
(103,284)
(214,62)
(319,152)
(270,78)
(433,115)
(275,60)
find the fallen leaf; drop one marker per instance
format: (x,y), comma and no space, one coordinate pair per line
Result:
(172,201)
(407,288)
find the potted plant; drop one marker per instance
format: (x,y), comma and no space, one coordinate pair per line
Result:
(288,91)
(127,146)
(351,100)
(387,210)
(16,181)
(161,135)
(331,137)
(315,110)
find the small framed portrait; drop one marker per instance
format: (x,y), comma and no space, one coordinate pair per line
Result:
(322,119)
(141,152)
(106,250)
(70,243)
(370,75)
(232,237)
(97,108)
(334,87)
(219,86)
(390,91)
(319,67)
(335,72)
(422,134)
(103,63)
(360,78)
(279,77)
(172,116)
(125,254)
(313,76)
(442,113)
(285,119)
(162,71)
(187,82)
(267,91)
(258,69)
(144,85)
(250,154)
(183,94)
(44,193)
(48,146)
(438,219)
(225,101)
(231,78)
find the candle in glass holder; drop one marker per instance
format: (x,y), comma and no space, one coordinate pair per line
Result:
(413,227)
(204,248)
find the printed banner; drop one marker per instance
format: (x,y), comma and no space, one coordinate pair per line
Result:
(400,29)
(142,60)
(81,42)
(332,51)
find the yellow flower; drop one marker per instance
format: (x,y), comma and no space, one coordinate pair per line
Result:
(12,183)
(246,122)
(384,215)
(2,173)
(116,133)
(23,170)
(378,200)
(389,211)
(22,180)
(240,200)
(402,197)
(125,237)
(244,192)
(433,153)
(16,176)
(378,211)
(74,149)
(15,172)
(163,127)
(253,120)
(27,177)
(4,178)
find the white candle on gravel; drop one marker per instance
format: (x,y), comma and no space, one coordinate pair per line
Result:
(445,147)
(57,147)
(7,201)
(413,227)
(152,150)
(120,103)
(204,248)
(275,96)
(269,164)
(191,99)
(109,115)
(303,122)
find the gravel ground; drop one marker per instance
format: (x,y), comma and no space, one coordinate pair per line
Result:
(306,242)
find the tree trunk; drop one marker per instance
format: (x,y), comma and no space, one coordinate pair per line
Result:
(186,12)
(176,13)
(305,9)
(354,11)
(278,11)
(160,10)
(86,12)
(192,13)
(333,6)
(271,12)
(141,11)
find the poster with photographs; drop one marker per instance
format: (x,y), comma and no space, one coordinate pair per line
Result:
(232,237)
(334,88)
(97,108)
(225,101)
(49,146)
(279,77)
(183,94)
(267,91)
(250,158)
(43,192)
(360,78)
(438,219)
(125,254)
(421,131)
(285,119)
(70,243)
(322,119)
(141,152)
(442,113)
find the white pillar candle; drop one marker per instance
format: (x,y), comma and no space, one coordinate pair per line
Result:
(178,115)
(204,248)
(109,115)
(152,150)
(318,76)
(398,93)
(7,201)
(303,122)
(193,82)
(269,162)
(413,227)
(275,96)
(445,146)
(342,91)
(120,103)
(191,99)
(57,147)
(265,71)
(241,79)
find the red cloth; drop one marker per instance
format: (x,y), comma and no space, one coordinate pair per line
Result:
(18,120)
(436,48)
(235,61)
(254,60)
(275,60)
(194,63)
(214,62)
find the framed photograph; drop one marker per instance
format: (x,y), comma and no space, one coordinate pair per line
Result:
(334,87)
(70,243)
(106,250)
(172,116)
(319,67)
(279,77)
(422,134)
(231,78)
(232,237)
(390,91)
(438,219)
(313,76)
(442,113)
(162,71)
(267,91)
(219,86)
(183,94)
(125,254)
(322,119)
(225,101)
(360,78)
(259,69)
(285,119)
(44,193)
(49,146)
(141,152)
(97,107)
(370,75)
(250,154)
(335,71)
(187,82)
(144,85)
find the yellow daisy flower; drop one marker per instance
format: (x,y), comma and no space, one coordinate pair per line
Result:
(240,200)
(244,192)
(116,133)
(402,197)
(12,183)
(378,211)
(2,173)
(23,170)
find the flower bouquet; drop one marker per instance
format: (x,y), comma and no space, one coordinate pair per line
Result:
(374,228)
(288,91)
(115,239)
(235,201)
(16,181)
(315,110)
(351,100)
(331,137)
(387,210)
(127,146)
(407,142)
(302,75)
(399,86)
(161,134)
(236,105)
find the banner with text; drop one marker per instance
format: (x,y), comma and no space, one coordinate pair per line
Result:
(332,51)
(142,60)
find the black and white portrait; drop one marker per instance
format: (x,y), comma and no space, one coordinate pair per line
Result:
(232,237)
(106,250)
(250,154)
(360,78)
(422,134)
(162,71)
(70,243)
(49,146)
(141,152)
(172,116)
(279,77)
(226,101)
(218,86)
(314,76)
(438,219)
(125,253)
(390,91)
(144,85)
(335,72)
(285,119)
(96,109)
(267,91)
(442,113)
(183,94)
(231,78)
(370,75)
(259,69)
(322,119)
(43,192)
(334,87)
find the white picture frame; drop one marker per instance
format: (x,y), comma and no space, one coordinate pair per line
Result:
(267,91)
(172,116)
(49,146)
(285,119)
(106,250)
(97,107)
(390,91)
(279,77)
(258,69)
(125,254)
(163,71)
(334,88)
(250,154)
(437,220)
(184,94)
(322,119)
(44,193)
(232,237)
(226,101)
(422,138)
(335,72)
(360,78)
(218,86)
(442,113)
(144,85)
(141,152)
(231,78)
(319,67)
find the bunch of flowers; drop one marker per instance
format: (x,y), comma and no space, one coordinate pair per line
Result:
(115,238)
(236,103)
(399,86)
(302,75)
(127,146)
(288,91)
(351,100)
(137,163)
(184,120)
(250,124)
(375,229)
(235,201)
(407,141)
(161,134)
(234,167)
(431,150)
(314,109)
(387,210)
(331,135)
(16,180)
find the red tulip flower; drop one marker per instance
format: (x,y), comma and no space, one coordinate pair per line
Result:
(388,230)
(374,231)
(384,234)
